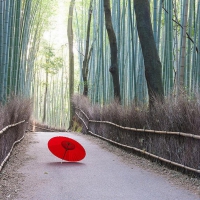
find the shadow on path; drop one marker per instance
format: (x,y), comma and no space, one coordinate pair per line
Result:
(65,164)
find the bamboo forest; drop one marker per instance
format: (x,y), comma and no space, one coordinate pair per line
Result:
(106,49)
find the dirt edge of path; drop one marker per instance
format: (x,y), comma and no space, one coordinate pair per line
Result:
(10,178)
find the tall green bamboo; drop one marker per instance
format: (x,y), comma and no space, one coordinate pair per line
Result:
(15,20)
(183,46)
(71,58)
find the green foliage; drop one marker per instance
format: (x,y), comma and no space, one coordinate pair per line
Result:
(76,126)
(51,64)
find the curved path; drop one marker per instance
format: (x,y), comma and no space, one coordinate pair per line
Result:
(100,176)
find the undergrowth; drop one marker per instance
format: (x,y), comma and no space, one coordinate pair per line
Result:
(76,126)
(178,115)
(15,110)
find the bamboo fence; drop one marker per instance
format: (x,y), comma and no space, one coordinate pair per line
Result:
(11,148)
(143,130)
(87,125)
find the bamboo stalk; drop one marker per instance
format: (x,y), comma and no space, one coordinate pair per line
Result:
(183,47)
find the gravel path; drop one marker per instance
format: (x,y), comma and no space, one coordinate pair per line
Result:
(106,173)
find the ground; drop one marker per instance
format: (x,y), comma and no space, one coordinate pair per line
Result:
(11,179)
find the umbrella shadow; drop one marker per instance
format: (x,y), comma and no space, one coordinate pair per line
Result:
(65,164)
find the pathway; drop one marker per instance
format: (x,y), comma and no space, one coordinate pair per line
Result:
(101,175)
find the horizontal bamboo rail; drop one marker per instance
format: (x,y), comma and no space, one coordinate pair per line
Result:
(136,149)
(1,132)
(146,153)
(9,126)
(4,161)
(82,121)
(144,130)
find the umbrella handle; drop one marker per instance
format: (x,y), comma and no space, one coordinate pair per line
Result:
(64,156)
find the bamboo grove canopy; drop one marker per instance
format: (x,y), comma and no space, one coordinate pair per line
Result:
(176,31)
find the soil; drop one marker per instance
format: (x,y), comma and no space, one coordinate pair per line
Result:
(11,179)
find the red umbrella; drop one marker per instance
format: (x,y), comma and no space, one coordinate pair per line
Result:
(66,148)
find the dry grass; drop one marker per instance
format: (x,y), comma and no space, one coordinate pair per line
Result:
(15,110)
(18,109)
(178,115)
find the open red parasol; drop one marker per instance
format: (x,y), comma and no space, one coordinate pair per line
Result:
(66,148)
